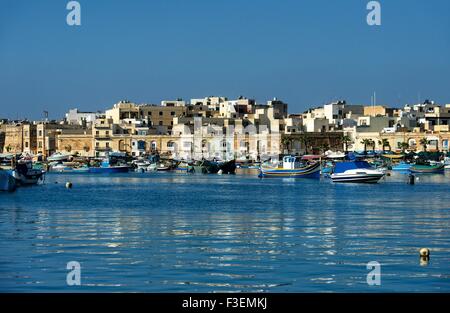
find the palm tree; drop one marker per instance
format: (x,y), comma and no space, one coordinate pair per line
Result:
(403,146)
(286,143)
(367,143)
(324,147)
(424,143)
(372,144)
(346,140)
(305,140)
(384,143)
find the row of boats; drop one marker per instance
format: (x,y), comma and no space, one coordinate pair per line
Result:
(347,170)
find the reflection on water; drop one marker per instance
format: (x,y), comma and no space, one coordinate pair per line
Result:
(176,232)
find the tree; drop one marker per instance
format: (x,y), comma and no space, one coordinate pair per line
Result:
(424,143)
(286,143)
(346,140)
(372,144)
(403,146)
(367,143)
(8,148)
(384,143)
(304,139)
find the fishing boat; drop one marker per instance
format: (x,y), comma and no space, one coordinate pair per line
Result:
(228,167)
(291,166)
(65,168)
(184,166)
(355,172)
(25,174)
(107,168)
(428,169)
(7,181)
(206,167)
(163,167)
(402,167)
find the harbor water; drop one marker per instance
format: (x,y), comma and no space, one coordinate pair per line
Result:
(171,232)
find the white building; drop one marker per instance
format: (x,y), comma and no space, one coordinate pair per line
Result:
(75,117)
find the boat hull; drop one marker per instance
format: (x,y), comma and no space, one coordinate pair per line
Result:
(423,169)
(109,170)
(312,171)
(357,178)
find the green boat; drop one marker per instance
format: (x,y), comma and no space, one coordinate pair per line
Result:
(427,169)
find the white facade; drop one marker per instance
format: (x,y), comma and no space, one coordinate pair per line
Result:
(76,117)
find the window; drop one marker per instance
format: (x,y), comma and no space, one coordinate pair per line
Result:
(26,144)
(172,113)
(97,144)
(160,113)
(160,123)
(40,144)
(107,132)
(107,145)
(40,133)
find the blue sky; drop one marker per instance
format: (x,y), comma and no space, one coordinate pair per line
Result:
(306,52)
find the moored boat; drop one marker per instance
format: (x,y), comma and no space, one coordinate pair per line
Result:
(25,174)
(58,157)
(228,167)
(291,167)
(428,169)
(355,172)
(402,167)
(107,168)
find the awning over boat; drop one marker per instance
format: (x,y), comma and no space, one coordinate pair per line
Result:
(311,157)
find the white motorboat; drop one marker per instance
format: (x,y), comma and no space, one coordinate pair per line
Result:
(355,172)
(359,175)
(58,157)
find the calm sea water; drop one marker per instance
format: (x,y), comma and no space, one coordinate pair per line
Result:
(190,233)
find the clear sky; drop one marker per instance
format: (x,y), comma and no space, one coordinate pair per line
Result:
(305,52)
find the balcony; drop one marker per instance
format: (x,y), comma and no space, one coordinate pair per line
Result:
(102,148)
(102,137)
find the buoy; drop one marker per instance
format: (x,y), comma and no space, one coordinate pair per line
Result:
(68,185)
(424,252)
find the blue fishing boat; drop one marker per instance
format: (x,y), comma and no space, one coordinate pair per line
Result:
(402,167)
(292,167)
(106,168)
(7,181)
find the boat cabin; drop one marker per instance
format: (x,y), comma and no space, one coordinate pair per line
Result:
(291,162)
